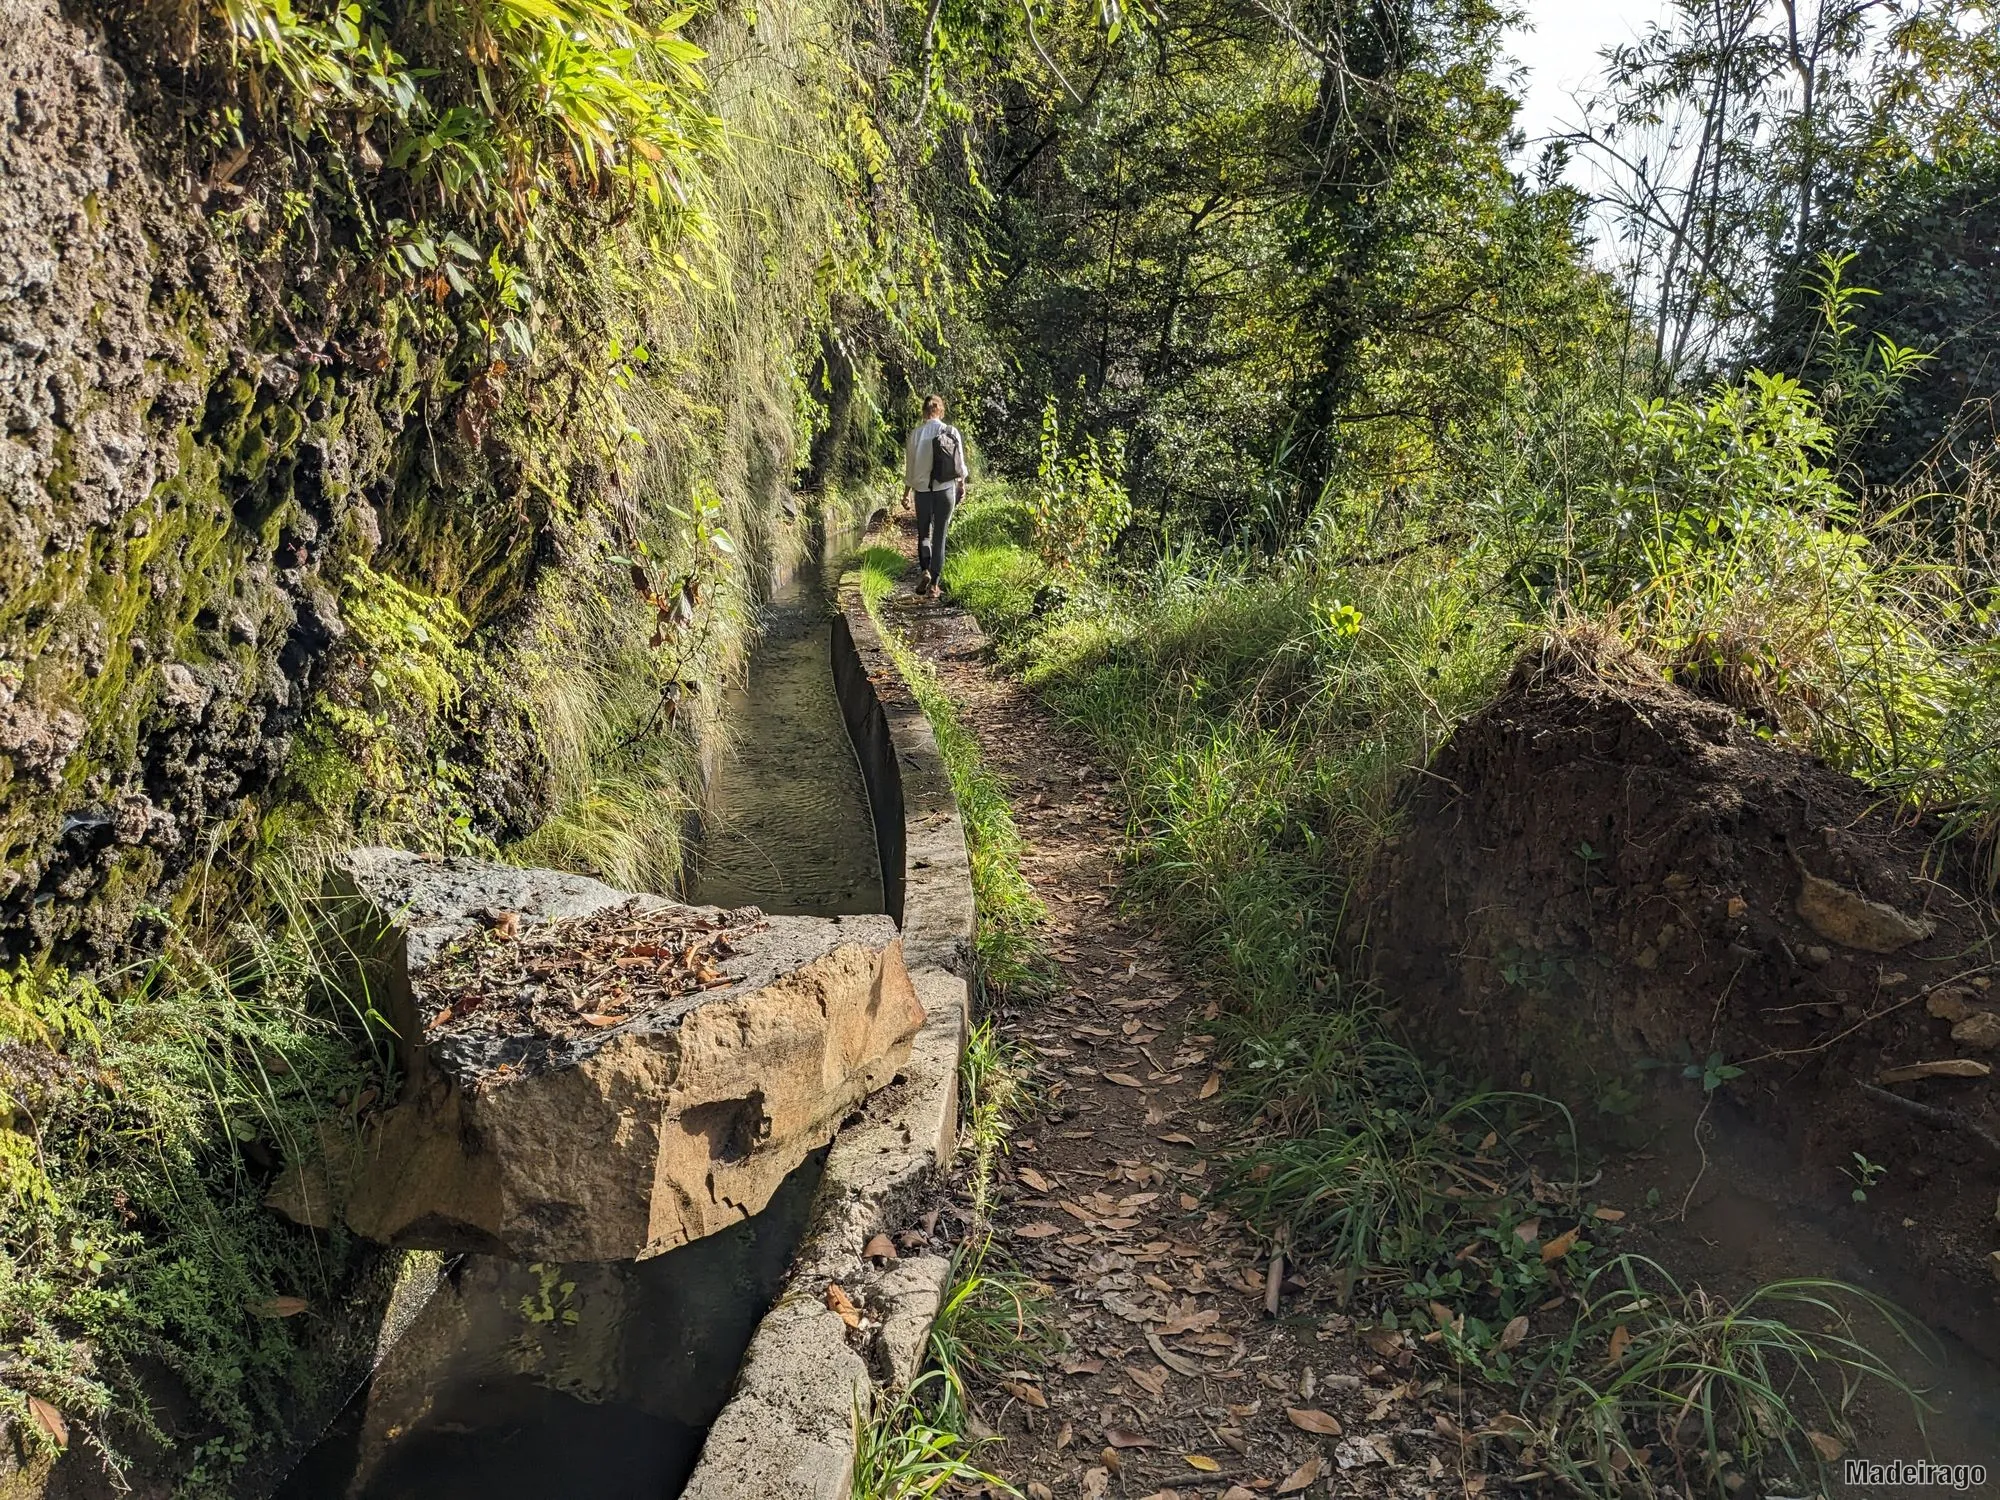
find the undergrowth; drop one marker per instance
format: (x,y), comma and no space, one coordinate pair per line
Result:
(1262,714)
(147,1114)
(994,1317)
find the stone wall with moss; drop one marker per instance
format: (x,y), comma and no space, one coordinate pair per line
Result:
(226,415)
(178,486)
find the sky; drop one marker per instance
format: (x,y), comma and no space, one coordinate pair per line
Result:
(1559,47)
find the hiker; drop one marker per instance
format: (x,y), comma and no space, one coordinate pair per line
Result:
(934,475)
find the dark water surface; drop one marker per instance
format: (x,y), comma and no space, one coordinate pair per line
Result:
(599,1381)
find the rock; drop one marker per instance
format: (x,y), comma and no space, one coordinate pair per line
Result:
(1853,921)
(1980,1029)
(1952,1003)
(679,1117)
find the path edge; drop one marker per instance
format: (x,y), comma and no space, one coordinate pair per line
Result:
(788,1430)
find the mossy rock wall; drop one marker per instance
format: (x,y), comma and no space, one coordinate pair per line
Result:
(212,412)
(178,482)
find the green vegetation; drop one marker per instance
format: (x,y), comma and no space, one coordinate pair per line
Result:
(142,1138)
(900,1453)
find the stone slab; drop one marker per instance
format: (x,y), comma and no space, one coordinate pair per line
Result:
(678,1120)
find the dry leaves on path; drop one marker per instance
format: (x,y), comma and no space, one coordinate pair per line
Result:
(1302,1476)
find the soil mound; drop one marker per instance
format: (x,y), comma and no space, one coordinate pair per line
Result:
(1612,891)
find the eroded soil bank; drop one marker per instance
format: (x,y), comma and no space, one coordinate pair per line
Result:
(1611,890)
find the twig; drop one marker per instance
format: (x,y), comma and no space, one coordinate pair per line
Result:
(1274,1276)
(1035,39)
(1699,1145)
(1933,1116)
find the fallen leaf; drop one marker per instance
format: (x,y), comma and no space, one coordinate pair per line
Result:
(1177,1139)
(1125,1437)
(1110,1459)
(1177,1363)
(1123,1080)
(599,1019)
(1621,1336)
(1211,1086)
(1095,1482)
(1065,1437)
(1033,1179)
(1528,1231)
(1202,1462)
(1237,1492)
(1381,1340)
(841,1303)
(276,1307)
(1828,1448)
(1039,1491)
(1026,1394)
(1041,1229)
(50,1421)
(1302,1476)
(1152,1382)
(1074,1366)
(1558,1247)
(1608,1215)
(1310,1419)
(880,1248)
(1514,1332)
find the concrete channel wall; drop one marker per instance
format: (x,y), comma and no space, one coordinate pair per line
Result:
(788,1430)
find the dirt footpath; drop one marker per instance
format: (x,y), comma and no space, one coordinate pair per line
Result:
(1175,1381)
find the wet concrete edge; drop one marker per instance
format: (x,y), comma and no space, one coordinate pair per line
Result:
(788,1430)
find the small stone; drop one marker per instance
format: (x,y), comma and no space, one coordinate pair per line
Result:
(1819,957)
(1952,1003)
(1647,958)
(1980,1029)
(1853,921)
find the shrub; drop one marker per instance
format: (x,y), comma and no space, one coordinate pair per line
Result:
(1078,504)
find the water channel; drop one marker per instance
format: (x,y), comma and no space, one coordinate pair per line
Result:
(527,1382)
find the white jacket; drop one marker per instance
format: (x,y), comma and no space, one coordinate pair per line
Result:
(917,454)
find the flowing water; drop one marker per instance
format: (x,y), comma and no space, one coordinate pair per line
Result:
(523,1382)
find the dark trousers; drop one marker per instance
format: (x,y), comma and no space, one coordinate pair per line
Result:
(934,509)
